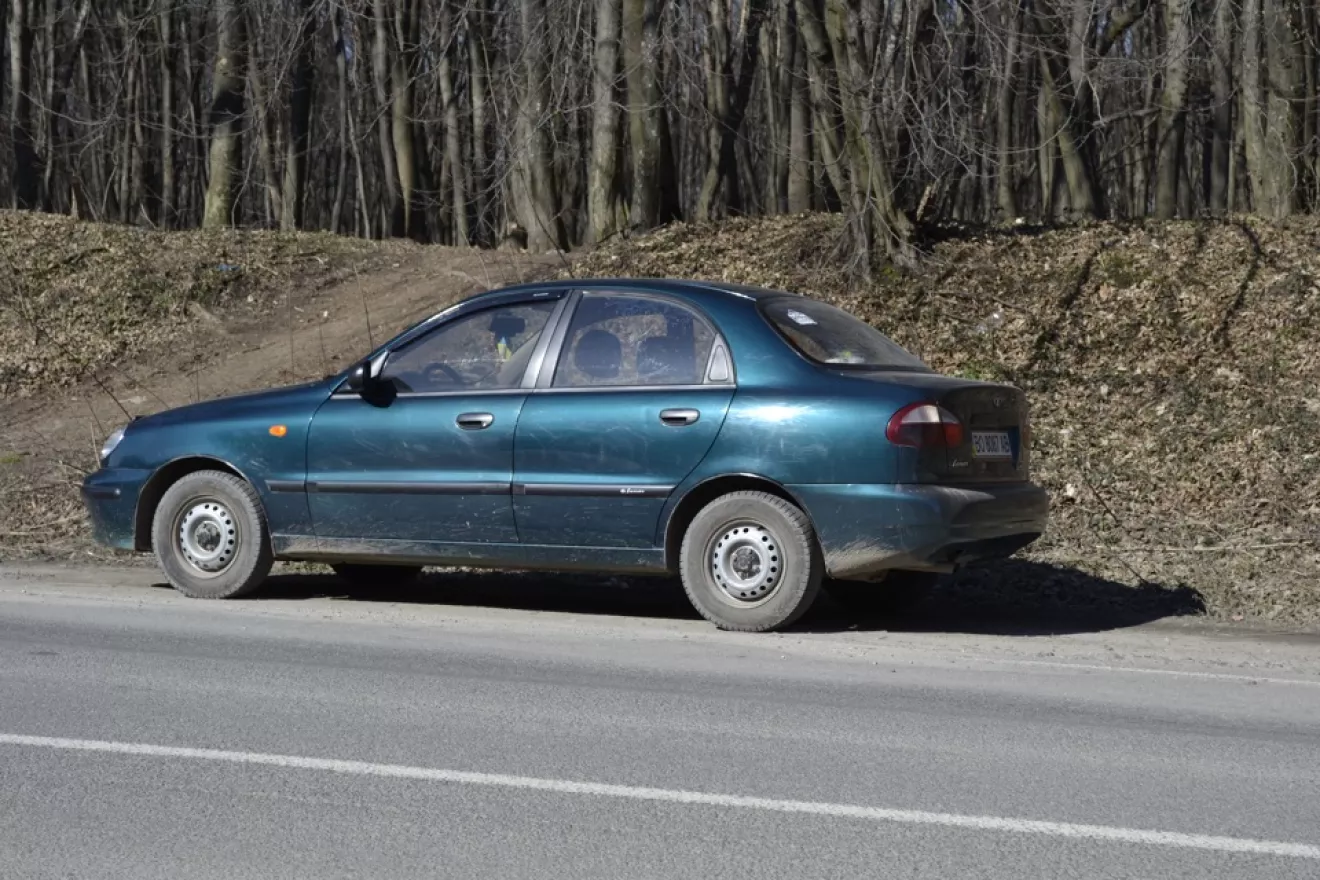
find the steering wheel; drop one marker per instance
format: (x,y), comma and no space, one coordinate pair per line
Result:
(437,373)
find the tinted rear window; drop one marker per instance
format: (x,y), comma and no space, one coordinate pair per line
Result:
(832,336)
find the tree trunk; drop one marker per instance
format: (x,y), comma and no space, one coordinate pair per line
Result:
(1173,107)
(124,196)
(454,158)
(165,23)
(727,105)
(777,62)
(539,220)
(878,226)
(718,83)
(1266,114)
(801,177)
(300,118)
(380,68)
(1006,96)
(1221,64)
(603,186)
(1281,29)
(265,127)
(226,114)
(646,123)
(1310,133)
(479,79)
(27,174)
(345,111)
(825,128)
(402,77)
(1083,200)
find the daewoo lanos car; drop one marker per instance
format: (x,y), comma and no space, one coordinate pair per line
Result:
(760,445)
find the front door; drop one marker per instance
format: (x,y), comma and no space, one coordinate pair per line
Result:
(428,455)
(627,413)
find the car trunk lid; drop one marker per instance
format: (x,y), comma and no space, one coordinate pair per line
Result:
(995,436)
(989,444)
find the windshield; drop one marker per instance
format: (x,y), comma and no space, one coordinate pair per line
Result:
(832,336)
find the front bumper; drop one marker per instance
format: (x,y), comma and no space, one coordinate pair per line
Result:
(111,496)
(866,529)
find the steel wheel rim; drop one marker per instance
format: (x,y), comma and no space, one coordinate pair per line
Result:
(746,563)
(207,536)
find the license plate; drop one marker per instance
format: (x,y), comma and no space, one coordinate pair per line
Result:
(991,444)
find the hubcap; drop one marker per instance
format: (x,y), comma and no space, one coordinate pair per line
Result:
(745,562)
(208,537)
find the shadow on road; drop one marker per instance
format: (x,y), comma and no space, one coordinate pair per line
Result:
(1023,598)
(1015,597)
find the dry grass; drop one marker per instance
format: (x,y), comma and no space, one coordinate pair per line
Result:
(78,297)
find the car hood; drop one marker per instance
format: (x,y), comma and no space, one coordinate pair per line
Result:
(292,400)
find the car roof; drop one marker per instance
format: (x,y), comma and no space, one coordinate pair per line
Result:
(693,290)
(681,287)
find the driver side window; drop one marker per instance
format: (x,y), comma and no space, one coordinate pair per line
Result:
(484,351)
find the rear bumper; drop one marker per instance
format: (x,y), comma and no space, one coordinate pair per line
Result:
(111,496)
(866,529)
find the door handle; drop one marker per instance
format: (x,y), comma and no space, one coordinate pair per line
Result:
(474,421)
(677,418)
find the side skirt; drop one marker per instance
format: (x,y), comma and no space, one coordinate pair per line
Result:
(305,548)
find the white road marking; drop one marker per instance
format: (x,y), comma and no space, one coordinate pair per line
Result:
(1239,845)
(1142,670)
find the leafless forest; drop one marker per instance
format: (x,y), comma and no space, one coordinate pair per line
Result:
(565,122)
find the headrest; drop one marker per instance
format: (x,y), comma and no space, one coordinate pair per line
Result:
(598,354)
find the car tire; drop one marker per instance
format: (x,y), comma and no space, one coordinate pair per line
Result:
(369,576)
(750,562)
(210,536)
(894,595)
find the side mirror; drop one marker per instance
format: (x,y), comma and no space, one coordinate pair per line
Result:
(358,379)
(363,377)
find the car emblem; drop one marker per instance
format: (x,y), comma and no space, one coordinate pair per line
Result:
(998,400)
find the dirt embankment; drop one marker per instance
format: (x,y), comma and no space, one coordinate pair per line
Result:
(1173,369)
(99,322)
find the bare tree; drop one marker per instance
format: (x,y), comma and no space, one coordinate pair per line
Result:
(533,181)
(25,171)
(1173,106)
(647,127)
(463,120)
(1221,150)
(300,111)
(603,191)
(226,113)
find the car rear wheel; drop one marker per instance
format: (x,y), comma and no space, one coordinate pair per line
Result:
(368,576)
(750,563)
(210,536)
(893,595)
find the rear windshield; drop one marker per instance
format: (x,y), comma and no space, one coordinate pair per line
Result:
(832,336)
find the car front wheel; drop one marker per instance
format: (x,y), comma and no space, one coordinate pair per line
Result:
(210,536)
(750,563)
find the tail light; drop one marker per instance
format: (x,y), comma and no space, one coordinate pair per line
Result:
(924,424)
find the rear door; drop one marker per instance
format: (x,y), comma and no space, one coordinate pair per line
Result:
(633,403)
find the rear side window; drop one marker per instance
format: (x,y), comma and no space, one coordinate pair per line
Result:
(625,340)
(832,336)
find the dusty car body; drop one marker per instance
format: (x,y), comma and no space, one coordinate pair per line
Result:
(757,443)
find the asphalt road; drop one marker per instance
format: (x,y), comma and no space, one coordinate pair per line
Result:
(143,735)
